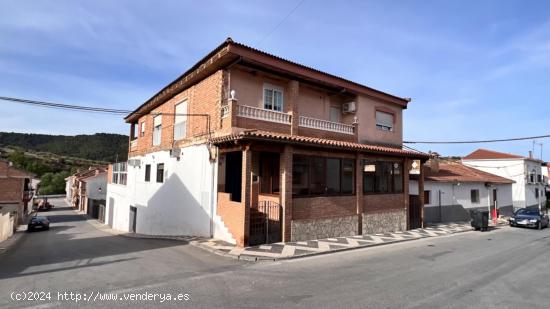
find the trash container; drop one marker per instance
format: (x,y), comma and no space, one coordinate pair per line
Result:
(480,220)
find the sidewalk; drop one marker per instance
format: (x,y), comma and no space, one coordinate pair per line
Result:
(288,250)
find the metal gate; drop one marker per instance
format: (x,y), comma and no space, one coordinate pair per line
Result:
(265,223)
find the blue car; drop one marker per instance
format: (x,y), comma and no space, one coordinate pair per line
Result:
(529,218)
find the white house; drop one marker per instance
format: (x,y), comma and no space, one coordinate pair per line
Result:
(452,190)
(529,185)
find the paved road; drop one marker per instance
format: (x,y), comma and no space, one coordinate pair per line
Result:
(506,268)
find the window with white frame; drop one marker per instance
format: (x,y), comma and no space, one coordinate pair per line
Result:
(157,130)
(273,98)
(180,121)
(384,121)
(119,173)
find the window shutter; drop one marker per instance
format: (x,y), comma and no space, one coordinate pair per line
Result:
(157,121)
(384,119)
(181,109)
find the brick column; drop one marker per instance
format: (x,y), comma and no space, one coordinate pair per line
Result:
(293,95)
(245,190)
(232,103)
(405,172)
(421,192)
(359,191)
(286,190)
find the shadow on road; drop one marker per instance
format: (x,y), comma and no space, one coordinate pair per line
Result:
(69,244)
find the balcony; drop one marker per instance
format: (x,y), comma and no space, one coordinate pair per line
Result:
(326,125)
(263,114)
(133,144)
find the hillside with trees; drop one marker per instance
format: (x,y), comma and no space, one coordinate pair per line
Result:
(54,157)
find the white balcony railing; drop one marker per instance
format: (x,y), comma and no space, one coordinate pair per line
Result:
(326,125)
(133,144)
(262,114)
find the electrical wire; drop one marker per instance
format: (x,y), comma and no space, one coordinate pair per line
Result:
(479,141)
(280,23)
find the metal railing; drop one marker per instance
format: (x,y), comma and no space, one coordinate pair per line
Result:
(262,114)
(326,125)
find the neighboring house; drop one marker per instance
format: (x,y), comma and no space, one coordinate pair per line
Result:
(15,197)
(529,186)
(452,190)
(87,190)
(245,142)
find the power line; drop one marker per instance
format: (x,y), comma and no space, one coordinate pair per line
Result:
(478,141)
(91,109)
(280,23)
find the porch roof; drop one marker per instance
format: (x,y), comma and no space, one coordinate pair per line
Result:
(257,135)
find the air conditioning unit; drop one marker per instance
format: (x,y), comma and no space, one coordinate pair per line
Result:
(175,152)
(349,107)
(134,162)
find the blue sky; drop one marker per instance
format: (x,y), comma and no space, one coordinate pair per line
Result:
(475,69)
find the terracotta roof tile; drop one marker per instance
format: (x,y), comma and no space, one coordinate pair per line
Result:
(481,154)
(312,141)
(457,172)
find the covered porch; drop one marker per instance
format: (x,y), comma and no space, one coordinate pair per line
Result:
(272,189)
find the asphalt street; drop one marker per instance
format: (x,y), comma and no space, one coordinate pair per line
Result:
(504,268)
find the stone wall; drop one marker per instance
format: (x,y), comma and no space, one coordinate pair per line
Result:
(382,222)
(323,228)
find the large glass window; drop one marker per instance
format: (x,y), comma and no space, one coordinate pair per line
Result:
(315,176)
(382,177)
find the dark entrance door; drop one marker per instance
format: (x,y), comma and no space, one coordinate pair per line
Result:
(133,219)
(233,175)
(415,212)
(265,223)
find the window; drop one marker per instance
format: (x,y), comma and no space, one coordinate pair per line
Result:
(119,173)
(315,176)
(536,192)
(273,98)
(427,197)
(134,131)
(539,178)
(335,114)
(142,129)
(382,177)
(474,196)
(160,172)
(157,130)
(384,121)
(148,172)
(532,178)
(180,121)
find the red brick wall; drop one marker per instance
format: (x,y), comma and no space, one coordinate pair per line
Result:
(384,202)
(233,215)
(247,123)
(202,98)
(323,207)
(326,134)
(11,190)
(110,173)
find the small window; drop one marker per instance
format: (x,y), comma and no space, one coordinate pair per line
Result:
(384,121)
(273,98)
(335,114)
(539,178)
(536,192)
(180,121)
(148,172)
(160,172)
(474,196)
(532,178)
(142,129)
(157,130)
(427,197)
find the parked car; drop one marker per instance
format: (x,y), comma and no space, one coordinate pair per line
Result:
(529,218)
(38,222)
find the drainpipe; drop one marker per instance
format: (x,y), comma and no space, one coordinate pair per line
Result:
(440,212)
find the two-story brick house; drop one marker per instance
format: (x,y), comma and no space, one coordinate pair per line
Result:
(245,140)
